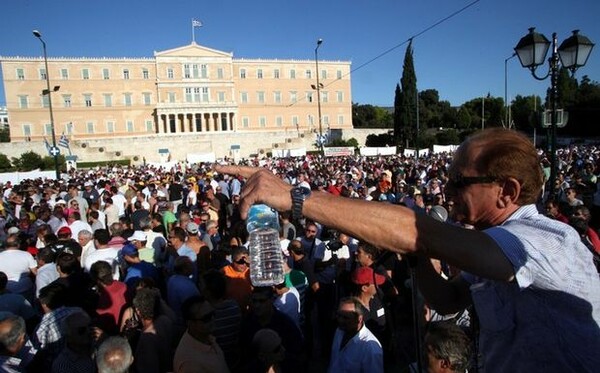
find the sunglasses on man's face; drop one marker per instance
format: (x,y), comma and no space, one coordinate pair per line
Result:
(460,181)
(241,261)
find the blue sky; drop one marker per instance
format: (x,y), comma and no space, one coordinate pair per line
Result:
(463,58)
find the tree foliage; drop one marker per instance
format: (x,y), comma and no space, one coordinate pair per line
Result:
(384,139)
(28,161)
(407,108)
(5,164)
(369,116)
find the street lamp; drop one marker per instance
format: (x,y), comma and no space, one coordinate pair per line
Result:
(573,53)
(319,86)
(506,116)
(48,92)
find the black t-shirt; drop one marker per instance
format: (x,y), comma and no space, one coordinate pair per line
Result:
(71,246)
(175,192)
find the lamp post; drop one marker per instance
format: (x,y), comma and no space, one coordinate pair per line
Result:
(48,92)
(572,54)
(506,116)
(319,42)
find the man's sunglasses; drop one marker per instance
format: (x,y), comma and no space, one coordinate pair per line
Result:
(241,261)
(459,181)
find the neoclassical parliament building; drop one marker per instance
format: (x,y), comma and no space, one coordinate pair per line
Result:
(190,92)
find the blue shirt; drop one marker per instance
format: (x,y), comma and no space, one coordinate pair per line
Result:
(547,319)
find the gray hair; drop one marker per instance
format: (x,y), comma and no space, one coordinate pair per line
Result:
(114,356)
(85,234)
(447,341)
(145,223)
(10,337)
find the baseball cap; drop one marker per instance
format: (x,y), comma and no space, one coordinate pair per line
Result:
(365,275)
(13,230)
(129,250)
(192,228)
(138,236)
(64,231)
(88,184)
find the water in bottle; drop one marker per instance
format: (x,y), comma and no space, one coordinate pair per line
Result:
(266,259)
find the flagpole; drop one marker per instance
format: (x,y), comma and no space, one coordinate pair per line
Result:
(193,36)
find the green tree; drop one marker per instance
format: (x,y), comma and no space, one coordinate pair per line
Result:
(369,116)
(408,98)
(524,110)
(5,164)
(463,117)
(48,162)
(398,135)
(384,139)
(5,135)
(28,161)
(567,90)
(447,137)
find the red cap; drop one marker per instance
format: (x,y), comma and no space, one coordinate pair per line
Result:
(64,231)
(365,276)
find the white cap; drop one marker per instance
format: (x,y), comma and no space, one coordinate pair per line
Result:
(138,236)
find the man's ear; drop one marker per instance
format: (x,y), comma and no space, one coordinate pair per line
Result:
(509,193)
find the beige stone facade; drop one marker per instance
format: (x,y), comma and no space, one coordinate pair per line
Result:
(190,90)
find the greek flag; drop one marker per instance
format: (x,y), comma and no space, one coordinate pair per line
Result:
(64,141)
(196,23)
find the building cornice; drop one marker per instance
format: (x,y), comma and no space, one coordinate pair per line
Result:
(77,59)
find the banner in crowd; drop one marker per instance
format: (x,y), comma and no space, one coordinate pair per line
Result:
(338,151)
(17,177)
(201,157)
(412,152)
(444,148)
(375,151)
(282,153)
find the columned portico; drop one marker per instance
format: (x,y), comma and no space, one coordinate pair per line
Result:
(173,122)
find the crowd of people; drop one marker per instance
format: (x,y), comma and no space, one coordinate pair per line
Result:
(146,269)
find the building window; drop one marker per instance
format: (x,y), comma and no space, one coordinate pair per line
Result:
(42,74)
(69,128)
(105,74)
(27,130)
(259,73)
(323,74)
(188,95)
(326,120)
(245,122)
(64,74)
(145,73)
(262,121)
(324,97)
(340,119)
(170,73)
(279,121)
(21,76)
(130,126)
(23,102)
(197,94)
(149,126)
(260,97)
(244,97)
(85,74)
(66,100)
(339,74)
(293,96)
(221,96)
(186,71)
(292,74)
(308,74)
(171,97)
(47,129)
(295,121)
(205,96)
(220,73)
(204,71)
(340,96)
(87,99)
(90,127)
(311,120)
(127,99)
(276,73)
(107,99)
(45,101)
(195,71)
(242,73)
(126,74)
(110,127)
(147,98)
(309,97)
(277,97)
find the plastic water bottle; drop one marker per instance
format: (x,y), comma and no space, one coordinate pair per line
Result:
(266,259)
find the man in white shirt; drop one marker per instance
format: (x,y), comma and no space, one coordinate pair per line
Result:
(103,252)
(18,266)
(355,348)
